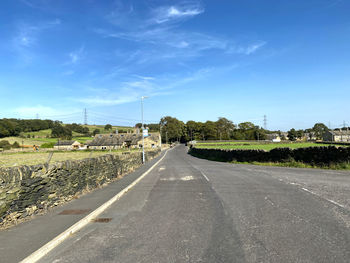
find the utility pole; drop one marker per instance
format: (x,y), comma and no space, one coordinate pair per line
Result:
(85,117)
(142,127)
(265,122)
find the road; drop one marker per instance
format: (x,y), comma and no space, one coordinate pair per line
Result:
(193,210)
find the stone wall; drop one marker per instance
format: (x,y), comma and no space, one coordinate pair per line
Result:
(317,156)
(28,190)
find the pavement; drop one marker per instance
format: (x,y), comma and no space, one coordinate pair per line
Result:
(193,210)
(20,241)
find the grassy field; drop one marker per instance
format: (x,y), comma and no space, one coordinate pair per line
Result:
(103,131)
(256,145)
(43,136)
(40,141)
(32,158)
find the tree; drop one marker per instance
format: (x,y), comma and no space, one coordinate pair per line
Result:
(292,134)
(210,131)
(108,127)
(172,129)
(62,132)
(224,128)
(96,131)
(300,134)
(320,129)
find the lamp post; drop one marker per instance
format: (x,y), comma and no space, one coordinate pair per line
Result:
(142,127)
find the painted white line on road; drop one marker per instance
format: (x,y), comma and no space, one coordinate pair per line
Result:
(206,178)
(307,190)
(329,200)
(44,250)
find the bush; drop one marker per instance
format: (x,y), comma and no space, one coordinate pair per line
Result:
(48,145)
(317,156)
(15,145)
(5,145)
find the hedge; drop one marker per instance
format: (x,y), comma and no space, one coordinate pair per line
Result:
(320,156)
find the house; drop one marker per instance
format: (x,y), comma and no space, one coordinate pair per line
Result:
(126,140)
(273,137)
(67,145)
(337,136)
(284,136)
(310,136)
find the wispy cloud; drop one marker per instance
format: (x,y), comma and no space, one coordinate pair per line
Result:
(132,90)
(160,30)
(76,55)
(28,36)
(170,13)
(246,50)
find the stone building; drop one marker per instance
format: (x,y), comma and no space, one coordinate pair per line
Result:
(337,136)
(273,137)
(126,140)
(67,145)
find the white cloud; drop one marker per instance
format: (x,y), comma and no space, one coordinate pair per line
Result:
(76,56)
(28,36)
(171,13)
(68,73)
(247,50)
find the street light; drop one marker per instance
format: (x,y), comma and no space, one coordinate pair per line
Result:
(142,127)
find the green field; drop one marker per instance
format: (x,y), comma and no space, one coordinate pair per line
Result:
(43,136)
(256,145)
(103,131)
(32,158)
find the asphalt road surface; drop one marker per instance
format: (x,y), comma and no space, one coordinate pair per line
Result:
(193,210)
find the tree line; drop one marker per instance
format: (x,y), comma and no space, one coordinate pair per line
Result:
(173,129)
(13,127)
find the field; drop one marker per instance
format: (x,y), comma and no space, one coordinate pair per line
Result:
(32,158)
(43,136)
(249,145)
(102,130)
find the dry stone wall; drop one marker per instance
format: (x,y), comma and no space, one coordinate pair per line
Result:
(27,190)
(319,156)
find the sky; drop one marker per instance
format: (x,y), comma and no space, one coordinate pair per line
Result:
(193,59)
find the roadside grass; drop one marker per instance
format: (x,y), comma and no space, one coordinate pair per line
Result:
(33,158)
(257,145)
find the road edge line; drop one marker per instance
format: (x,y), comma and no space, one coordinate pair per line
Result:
(45,249)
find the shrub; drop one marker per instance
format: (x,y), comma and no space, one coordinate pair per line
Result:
(5,145)
(15,145)
(48,145)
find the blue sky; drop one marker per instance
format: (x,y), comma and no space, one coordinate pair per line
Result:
(195,60)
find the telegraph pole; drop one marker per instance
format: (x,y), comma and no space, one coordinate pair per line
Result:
(85,117)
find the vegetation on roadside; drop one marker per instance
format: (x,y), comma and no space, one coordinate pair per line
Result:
(294,164)
(329,157)
(256,145)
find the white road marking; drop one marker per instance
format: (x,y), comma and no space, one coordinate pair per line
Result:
(329,200)
(311,192)
(44,250)
(161,169)
(206,178)
(187,178)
